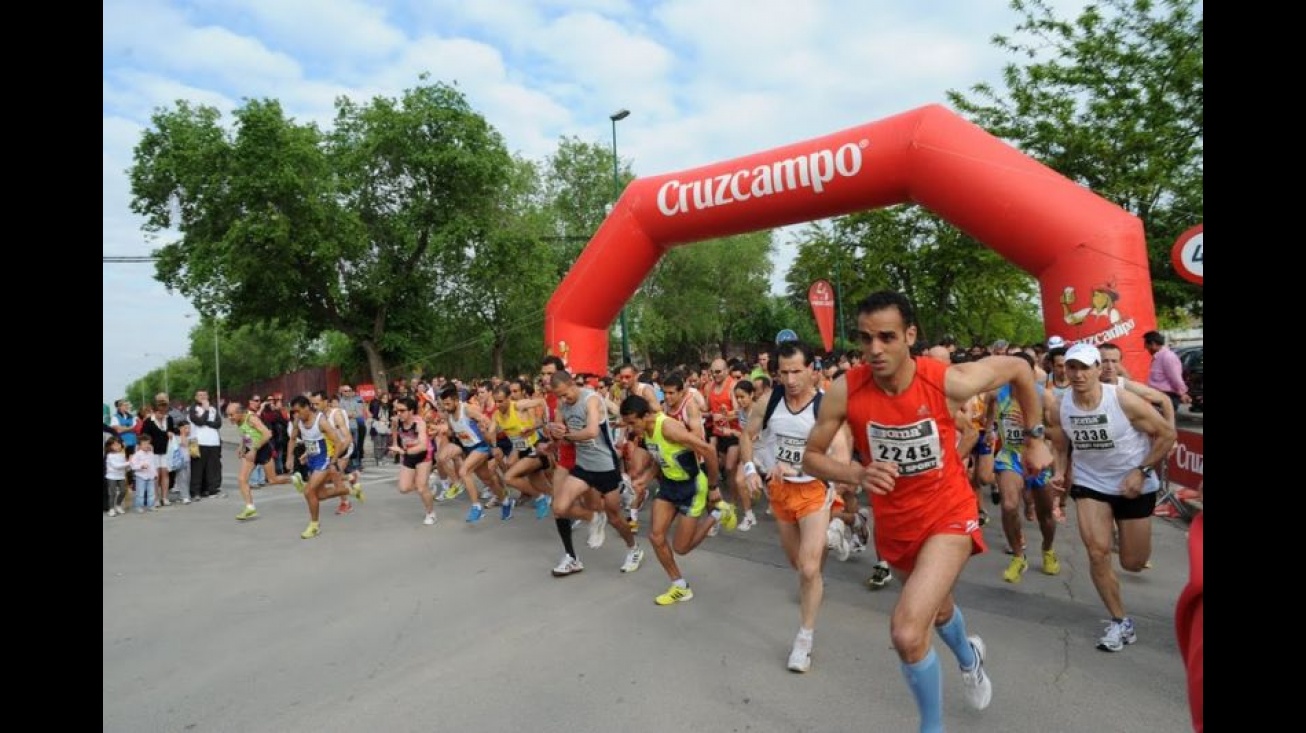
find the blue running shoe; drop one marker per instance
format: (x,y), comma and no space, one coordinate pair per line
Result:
(475,514)
(505,511)
(543,506)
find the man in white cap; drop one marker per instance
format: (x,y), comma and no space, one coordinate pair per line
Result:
(1118,440)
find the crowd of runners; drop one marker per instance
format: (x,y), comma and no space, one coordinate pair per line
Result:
(893,449)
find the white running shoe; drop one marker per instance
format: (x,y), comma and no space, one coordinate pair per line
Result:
(1118,634)
(633,559)
(800,657)
(975,684)
(748,522)
(837,539)
(597,526)
(430,519)
(568,566)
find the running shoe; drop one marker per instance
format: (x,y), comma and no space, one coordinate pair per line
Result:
(598,526)
(475,514)
(729,517)
(344,508)
(543,506)
(800,657)
(492,502)
(568,566)
(1015,569)
(983,518)
(505,511)
(454,491)
(248,512)
(356,491)
(674,594)
(1118,634)
(1051,564)
(995,496)
(748,522)
(430,519)
(975,684)
(295,479)
(312,531)
(633,559)
(836,539)
(880,576)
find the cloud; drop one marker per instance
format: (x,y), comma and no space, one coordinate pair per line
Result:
(705,81)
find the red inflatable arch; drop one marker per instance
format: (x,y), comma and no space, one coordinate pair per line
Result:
(1089,255)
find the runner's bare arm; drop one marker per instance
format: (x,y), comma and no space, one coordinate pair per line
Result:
(594,420)
(1060,442)
(1153,395)
(965,380)
(816,461)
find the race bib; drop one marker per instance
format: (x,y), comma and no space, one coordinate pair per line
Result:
(1013,433)
(790,450)
(656,451)
(519,444)
(410,441)
(915,448)
(1090,432)
(313,448)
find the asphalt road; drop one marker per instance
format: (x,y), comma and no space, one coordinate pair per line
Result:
(383,624)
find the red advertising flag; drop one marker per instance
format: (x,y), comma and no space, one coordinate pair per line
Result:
(821,296)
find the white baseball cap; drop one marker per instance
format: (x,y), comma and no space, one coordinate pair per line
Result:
(1085,354)
(1056,342)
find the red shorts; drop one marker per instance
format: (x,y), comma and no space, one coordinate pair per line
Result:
(900,546)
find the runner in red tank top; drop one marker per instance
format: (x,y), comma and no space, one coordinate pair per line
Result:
(901,412)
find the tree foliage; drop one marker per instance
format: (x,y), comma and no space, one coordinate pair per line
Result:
(1113,100)
(346,231)
(958,285)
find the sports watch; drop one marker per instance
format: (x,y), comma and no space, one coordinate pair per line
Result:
(1147,471)
(1035,432)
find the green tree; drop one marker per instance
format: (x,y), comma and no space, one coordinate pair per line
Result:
(1114,101)
(958,285)
(700,297)
(345,232)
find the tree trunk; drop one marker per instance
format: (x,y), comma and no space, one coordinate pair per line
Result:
(376,366)
(496,355)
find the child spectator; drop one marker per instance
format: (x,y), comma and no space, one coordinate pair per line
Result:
(115,473)
(144,467)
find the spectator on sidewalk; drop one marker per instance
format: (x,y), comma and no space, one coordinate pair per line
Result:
(356,411)
(206,467)
(1167,372)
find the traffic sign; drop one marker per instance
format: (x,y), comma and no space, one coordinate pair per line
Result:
(1187,255)
(786,335)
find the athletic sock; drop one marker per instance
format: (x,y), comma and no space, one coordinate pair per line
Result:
(564,531)
(926,682)
(953,634)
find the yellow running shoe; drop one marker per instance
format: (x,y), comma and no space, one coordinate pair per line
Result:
(1016,569)
(729,517)
(298,481)
(356,491)
(674,594)
(454,490)
(311,532)
(248,513)
(1051,565)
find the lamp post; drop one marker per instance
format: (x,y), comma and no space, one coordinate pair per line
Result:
(617,116)
(217,363)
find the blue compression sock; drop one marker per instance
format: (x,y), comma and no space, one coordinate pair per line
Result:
(926,682)
(953,634)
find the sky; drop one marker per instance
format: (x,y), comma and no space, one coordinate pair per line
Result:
(704,80)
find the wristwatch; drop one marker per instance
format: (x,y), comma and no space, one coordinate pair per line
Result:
(1147,471)
(1035,432)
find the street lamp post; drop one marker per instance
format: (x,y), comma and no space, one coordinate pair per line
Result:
(217,364)
(166,387)
(620,114)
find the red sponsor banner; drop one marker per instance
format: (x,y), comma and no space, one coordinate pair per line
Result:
(1185,462)
(367,392)
(821,296)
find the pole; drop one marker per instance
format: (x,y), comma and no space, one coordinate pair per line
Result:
(166,387)
(616,192)
(838,306)
(217,366)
